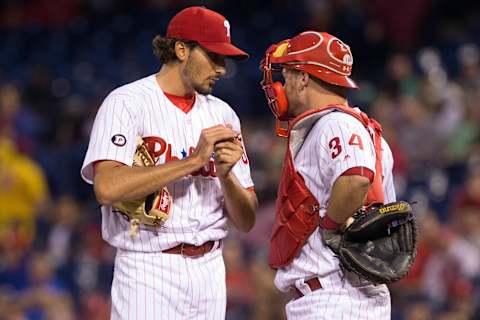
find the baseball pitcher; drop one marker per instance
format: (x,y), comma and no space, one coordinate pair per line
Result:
(169,167)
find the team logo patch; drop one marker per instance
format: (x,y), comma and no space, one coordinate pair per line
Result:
(340,52)
(119,140)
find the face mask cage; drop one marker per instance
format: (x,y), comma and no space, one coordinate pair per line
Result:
(273,101)
(267,84)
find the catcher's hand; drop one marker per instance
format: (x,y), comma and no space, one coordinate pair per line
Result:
(379,245)
(332,239)
(152,210)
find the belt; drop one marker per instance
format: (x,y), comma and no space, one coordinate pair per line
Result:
(190,250)
(313,284)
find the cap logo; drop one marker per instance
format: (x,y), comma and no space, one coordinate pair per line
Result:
(226,24)
(340,52)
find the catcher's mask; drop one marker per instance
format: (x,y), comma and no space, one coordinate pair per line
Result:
(316,53)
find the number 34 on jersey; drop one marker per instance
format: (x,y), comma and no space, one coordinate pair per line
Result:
(336,144)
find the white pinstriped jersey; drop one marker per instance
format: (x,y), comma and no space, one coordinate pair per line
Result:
(141,109)
(336,143)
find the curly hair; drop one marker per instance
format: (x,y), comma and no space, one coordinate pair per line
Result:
(164,48)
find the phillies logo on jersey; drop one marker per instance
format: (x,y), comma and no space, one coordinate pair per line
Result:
(158,147)
(119,140)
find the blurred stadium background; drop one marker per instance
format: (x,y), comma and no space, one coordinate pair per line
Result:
(418,65)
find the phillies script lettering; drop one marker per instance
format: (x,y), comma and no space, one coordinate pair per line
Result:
(158,147)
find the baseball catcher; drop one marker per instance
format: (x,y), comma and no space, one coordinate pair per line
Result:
(336,162)
(379,245)
(152,210)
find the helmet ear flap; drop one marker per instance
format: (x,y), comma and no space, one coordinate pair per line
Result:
(282,102)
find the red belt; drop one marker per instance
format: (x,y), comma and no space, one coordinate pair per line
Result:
(313,283)
(190,250)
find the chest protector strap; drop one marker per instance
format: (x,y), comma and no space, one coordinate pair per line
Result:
(297,210)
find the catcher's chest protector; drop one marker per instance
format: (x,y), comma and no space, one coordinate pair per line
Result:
(295,219)
(297,214)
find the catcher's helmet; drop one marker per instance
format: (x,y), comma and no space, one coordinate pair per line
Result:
(319,54)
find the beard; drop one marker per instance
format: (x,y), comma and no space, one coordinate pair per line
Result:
(203,89)
(191,72)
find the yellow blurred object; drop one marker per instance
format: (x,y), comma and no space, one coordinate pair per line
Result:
(23,188)
(281,50)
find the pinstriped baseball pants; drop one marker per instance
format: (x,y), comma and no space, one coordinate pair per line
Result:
(155,286)
(340,300)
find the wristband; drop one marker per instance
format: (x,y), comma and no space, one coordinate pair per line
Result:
(329,224)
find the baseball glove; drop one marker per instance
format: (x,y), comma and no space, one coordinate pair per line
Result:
(379,245)
(152,210)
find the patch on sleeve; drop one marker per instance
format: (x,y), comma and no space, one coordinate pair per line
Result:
(119,140)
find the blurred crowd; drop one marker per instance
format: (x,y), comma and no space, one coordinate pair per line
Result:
(419,73)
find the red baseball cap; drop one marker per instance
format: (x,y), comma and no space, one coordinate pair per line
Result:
(209,28)
(319,54)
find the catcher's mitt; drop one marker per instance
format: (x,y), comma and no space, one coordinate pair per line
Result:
(152,210)
(380,245)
